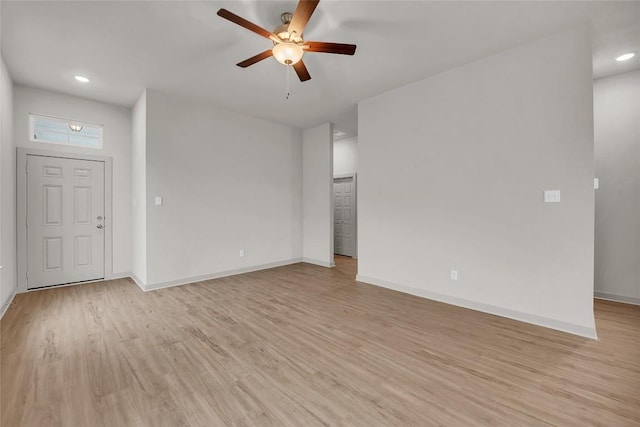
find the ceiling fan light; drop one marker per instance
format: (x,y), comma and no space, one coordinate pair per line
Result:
(287,53)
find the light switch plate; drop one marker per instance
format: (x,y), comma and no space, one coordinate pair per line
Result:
(454,274)
(158,201)
(596,183)
(552,196)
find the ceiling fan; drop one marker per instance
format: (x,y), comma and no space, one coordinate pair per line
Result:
(288,43)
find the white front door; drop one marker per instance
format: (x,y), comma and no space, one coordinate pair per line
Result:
(344,217)
(65,221)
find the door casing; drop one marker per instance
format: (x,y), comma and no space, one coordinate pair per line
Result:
(21,210)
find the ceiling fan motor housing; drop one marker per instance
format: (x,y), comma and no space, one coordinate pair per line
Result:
(282,30)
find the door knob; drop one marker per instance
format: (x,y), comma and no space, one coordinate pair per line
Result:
(99,218)
(99,226)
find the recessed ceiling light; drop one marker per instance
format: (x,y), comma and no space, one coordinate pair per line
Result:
(626,56)
(82,79)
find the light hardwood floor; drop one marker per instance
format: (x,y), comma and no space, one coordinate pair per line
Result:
(303,345)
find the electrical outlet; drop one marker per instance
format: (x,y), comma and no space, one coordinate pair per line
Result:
(454,274)
(241,253)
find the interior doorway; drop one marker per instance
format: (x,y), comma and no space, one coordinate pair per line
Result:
(345,200)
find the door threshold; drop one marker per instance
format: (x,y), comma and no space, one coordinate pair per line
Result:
(61,285)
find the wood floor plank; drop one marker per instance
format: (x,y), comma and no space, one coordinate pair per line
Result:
(303,345)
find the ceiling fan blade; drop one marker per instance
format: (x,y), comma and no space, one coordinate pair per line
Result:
(301,71)
(324,47)
(301,16)
(257,58)
(224,13)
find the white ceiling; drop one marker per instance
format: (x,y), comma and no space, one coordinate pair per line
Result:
(185,48)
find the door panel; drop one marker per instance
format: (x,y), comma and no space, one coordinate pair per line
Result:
(344,216)
(52,254)
(82,205)
(52,204)
(65,220)
(82,251)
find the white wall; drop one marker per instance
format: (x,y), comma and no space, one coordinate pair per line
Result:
(139,189)
(452,171)
(117,144)
(228,182)
(8,282)
(345,156)
(617,162)
(317,211)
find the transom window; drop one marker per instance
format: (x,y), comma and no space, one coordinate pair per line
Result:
(53,130)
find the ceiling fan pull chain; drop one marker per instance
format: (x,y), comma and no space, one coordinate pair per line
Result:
(288,73)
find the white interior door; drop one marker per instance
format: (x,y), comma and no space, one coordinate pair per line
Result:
(65,221)
(344,217)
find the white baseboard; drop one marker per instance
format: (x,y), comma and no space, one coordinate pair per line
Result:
(116,276)
(6,305)
(534,319)
(318,262)
(616,298)
(137,281)
(188,280)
